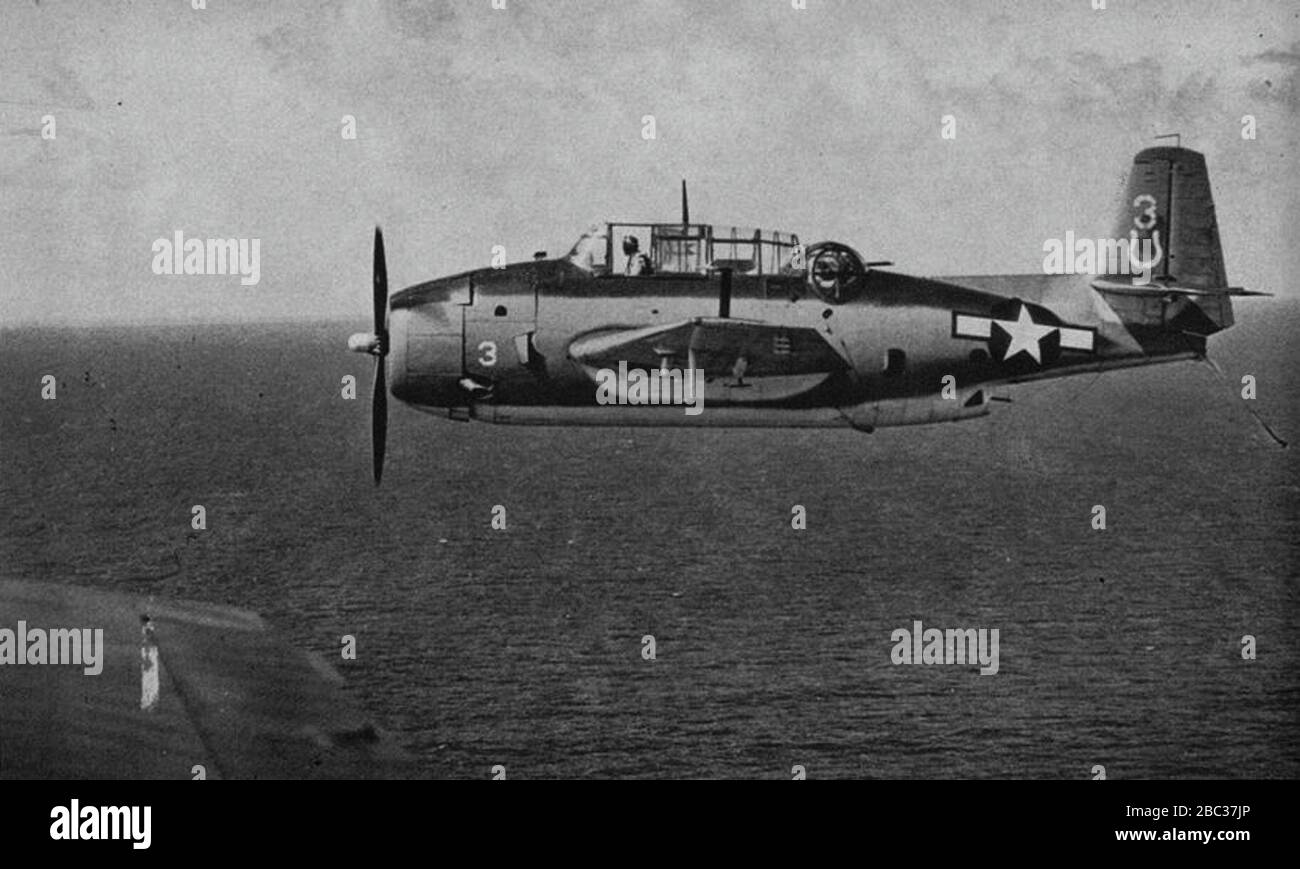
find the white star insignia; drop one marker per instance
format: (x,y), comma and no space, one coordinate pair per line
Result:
(1025,335)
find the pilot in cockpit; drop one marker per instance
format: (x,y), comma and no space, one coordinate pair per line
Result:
(637,262)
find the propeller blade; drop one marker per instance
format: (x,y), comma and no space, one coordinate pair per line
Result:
(379,416)
(381,283)
(379,393)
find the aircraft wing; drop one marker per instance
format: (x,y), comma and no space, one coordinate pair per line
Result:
(227,697)
(717,345)
(744,361)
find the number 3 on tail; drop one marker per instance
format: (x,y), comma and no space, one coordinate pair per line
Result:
(1145,222)
(1149,213)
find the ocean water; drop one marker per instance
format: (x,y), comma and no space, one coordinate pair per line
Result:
(523,647)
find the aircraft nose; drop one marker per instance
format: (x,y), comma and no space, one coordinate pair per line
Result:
(424,356)
(397,336)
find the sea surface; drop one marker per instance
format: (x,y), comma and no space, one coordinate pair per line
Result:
(523,647)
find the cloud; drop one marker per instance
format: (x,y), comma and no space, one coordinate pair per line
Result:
(478,126)
(1281,87)
(64,90)
(1290,57)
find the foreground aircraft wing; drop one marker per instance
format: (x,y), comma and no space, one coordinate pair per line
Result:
(204,691)
(715,344)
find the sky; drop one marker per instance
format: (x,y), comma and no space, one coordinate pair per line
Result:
(477,126)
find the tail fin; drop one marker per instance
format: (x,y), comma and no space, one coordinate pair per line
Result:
(1167,218)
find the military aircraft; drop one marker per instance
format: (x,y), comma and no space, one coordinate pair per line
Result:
(788,335)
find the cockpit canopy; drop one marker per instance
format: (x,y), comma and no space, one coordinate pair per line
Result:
(677,249)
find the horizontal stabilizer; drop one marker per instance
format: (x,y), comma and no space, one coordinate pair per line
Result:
(1161,290)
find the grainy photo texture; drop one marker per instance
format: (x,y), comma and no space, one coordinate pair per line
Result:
(757,389)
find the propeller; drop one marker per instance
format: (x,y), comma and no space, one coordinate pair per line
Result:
(379,395)
(376,344)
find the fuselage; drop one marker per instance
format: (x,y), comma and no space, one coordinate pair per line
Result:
(495,344)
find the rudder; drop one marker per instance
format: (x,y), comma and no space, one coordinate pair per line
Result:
(1167,217)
